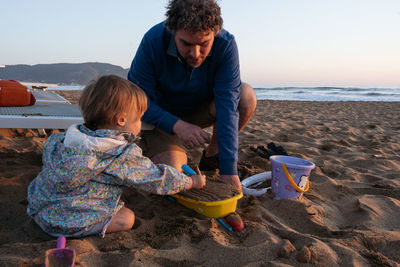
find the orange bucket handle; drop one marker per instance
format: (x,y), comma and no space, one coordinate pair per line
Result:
(298,189)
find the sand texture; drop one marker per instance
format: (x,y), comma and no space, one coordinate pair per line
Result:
(349,217)
(214,190)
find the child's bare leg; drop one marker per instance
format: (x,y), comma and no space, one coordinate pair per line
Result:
(122,221)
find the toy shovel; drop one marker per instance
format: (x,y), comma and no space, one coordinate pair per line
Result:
(60,256)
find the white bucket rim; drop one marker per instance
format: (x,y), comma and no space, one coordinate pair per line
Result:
(276,158)
(261,177)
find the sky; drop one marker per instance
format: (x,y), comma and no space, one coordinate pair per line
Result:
(281,42)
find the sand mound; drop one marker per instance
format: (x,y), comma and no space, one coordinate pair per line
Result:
(214,190)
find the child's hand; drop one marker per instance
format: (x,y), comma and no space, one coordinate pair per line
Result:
(198,181)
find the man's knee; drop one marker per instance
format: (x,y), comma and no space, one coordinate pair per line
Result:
(248,99)
(173,158)
(247,103)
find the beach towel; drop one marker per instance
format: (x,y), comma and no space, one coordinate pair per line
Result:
(13,93)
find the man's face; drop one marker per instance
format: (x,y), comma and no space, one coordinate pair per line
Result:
(194,47)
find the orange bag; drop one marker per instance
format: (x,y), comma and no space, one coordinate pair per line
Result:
(12,93)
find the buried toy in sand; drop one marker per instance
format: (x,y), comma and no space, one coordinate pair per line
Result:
(215,200)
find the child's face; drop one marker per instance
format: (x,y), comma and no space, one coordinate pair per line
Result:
(132,124)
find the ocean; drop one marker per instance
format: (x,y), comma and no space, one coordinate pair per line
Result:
(313,93)
(329,94)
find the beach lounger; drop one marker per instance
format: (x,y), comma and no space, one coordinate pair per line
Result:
(44,96)
(40,116)
(51,111)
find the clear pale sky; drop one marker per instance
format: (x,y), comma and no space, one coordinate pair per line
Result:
(281,42)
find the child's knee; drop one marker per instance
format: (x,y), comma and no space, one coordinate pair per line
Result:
(129,218)
(122,221)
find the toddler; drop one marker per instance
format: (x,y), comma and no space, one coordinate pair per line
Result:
(86,168)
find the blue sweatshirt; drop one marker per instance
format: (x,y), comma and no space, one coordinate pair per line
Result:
(175,89)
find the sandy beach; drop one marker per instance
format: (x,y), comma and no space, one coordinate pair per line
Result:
(350,216)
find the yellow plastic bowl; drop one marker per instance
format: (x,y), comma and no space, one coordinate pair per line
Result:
(214,209)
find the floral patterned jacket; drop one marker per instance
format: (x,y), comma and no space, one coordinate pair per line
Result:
(83,176)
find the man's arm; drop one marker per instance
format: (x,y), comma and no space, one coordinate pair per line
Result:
(227,100)
(226,96)
(143,74)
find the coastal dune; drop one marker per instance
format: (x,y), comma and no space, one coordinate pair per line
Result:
(350,216)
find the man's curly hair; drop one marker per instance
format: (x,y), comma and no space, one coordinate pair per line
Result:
(193,16)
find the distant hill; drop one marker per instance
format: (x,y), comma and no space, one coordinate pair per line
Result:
(61,73)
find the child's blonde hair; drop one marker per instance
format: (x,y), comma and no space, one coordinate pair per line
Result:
(108,97)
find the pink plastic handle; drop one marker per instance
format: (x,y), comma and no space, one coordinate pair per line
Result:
(61,242)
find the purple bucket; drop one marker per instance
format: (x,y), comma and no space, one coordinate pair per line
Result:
(290,176)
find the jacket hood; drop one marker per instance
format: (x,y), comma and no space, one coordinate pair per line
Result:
(79,154)
(74,137)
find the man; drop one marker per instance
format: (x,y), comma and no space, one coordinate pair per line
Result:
(189,68)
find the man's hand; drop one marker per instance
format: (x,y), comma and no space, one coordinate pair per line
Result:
(191,135)
(232,180)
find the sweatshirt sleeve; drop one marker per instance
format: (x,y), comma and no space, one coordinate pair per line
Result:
(227,95)
(134,170)
(142,73)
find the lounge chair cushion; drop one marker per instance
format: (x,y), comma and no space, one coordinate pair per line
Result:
(12,93)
